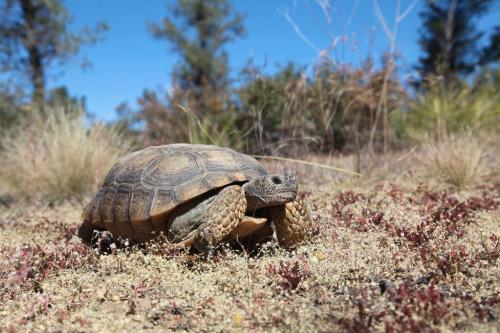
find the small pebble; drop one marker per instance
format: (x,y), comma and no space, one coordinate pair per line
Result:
(75,240)
(319,255)
(238,318)
(384,285)
(423,280)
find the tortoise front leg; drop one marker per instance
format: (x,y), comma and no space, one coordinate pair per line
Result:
(224,214)
(292,222)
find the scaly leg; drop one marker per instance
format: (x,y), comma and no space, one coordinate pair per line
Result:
(224,214)
(292,222)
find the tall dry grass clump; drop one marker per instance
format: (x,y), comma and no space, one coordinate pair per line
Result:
(459,160)
(58,157)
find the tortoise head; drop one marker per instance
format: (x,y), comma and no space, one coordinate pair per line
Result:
(270,190)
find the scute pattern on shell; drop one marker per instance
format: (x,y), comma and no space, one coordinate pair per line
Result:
(148,184)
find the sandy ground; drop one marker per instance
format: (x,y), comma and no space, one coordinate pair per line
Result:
(386,254)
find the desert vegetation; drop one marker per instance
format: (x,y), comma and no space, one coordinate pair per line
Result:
(386,254)
(402,179)
(58,157)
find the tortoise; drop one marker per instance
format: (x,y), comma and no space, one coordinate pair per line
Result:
(196,195)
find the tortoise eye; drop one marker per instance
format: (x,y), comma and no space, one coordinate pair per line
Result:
(276,180)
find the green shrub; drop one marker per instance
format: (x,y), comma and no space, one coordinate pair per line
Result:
(335,108)
(219,130)
(441,112)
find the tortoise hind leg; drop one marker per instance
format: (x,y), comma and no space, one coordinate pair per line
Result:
(292,222)
(224,214)
(88,233)
(97,238)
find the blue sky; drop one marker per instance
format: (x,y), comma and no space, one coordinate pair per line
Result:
(278,31)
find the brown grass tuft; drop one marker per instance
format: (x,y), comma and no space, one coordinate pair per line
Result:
(458,160)
(58,158)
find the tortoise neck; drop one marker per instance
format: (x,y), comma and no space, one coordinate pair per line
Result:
(254,203)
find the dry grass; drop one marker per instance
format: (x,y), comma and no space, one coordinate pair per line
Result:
(58,158)
(459,160)
(386,255)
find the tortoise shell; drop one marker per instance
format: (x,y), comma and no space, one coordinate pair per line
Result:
(144,187)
